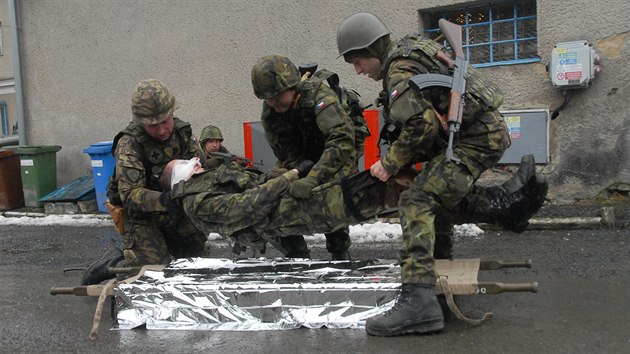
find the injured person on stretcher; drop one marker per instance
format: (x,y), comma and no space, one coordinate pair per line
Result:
(235,204)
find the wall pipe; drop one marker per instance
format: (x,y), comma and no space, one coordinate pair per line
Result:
(17,72)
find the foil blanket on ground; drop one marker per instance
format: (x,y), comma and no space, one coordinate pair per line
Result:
(257,294)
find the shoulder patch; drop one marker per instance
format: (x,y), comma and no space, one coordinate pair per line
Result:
(393,95)
(323,103)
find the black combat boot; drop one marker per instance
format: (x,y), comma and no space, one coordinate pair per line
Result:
(511,204)
(417,310)
(296,246)
(99,270)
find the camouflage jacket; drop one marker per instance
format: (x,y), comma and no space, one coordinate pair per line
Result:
(324,135)
(424,134)
(140,161)
(224,200)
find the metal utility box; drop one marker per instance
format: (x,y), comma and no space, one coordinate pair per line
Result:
(529,131)
(572,65)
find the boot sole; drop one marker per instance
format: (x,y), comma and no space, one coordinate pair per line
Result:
(524,222)
(411,328)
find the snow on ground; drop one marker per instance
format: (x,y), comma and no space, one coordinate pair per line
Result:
(368,232)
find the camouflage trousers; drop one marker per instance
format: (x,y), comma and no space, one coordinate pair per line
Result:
(438,189)
(154,241)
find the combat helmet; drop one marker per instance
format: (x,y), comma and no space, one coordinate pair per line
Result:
(210,132)
(359,32)
(152,102)
(272,74)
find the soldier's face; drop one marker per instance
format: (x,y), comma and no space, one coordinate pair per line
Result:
(161,131)
(282,101)
(367,66)
(212,145)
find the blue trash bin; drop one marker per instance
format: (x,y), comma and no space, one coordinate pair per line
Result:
(103,164)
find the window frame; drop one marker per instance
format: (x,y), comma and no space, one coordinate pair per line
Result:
(466,8)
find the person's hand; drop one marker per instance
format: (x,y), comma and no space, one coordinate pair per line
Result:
(171,207)
(302,187)
(377,170)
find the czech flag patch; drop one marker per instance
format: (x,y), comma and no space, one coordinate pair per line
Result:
(393,95)
(320,105)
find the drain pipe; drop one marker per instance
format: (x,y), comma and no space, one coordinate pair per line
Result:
(17,72)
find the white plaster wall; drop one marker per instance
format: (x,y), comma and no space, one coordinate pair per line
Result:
(83,57)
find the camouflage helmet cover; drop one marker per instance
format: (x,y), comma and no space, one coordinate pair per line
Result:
(359,31)
(272,74)
(152,102)
(210,132)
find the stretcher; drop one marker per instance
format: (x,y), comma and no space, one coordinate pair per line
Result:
(273,294)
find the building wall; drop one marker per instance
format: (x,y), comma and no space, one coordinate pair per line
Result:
(6,59)
(81,58)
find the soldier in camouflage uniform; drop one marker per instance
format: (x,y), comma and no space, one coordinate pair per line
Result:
(442,185)
(233,204)
(156,229)
(211,140)
(303,120)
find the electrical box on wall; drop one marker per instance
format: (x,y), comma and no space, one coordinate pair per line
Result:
(573,65)
(529,131)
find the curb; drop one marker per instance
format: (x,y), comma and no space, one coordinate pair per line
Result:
(558,223)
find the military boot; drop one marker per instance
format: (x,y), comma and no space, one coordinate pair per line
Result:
(337,243)
(99,270)
(417,310)
(296,246)
(510,210)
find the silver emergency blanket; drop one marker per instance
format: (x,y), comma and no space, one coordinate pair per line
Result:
(257,294)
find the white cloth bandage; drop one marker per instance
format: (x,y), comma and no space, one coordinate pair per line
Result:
(182,171)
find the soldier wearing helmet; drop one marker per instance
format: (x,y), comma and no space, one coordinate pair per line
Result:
(364,41)
(155,228)
(211,140)
(303,120)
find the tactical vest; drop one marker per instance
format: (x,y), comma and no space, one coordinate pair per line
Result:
(479,91)
(154,159)
(349,100)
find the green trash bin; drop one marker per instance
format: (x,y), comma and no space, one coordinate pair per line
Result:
(38,165)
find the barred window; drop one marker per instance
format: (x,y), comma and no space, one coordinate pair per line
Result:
(493,33)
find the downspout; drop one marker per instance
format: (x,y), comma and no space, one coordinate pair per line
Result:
(17,72)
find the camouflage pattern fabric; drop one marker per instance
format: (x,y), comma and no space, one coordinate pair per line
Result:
(272,74)
(152,234)
(152,102)
(482,139)
(325,135)
(227,201)
(210,132)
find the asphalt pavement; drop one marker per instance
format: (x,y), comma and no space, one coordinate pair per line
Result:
(582,306)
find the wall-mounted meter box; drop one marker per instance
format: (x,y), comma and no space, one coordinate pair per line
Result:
(572,65)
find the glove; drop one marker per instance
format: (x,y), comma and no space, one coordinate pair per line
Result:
(304,168)
(302,187)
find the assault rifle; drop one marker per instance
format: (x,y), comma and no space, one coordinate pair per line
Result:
(457,82)
(228,158)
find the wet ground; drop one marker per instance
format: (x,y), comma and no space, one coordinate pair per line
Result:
(582,305)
